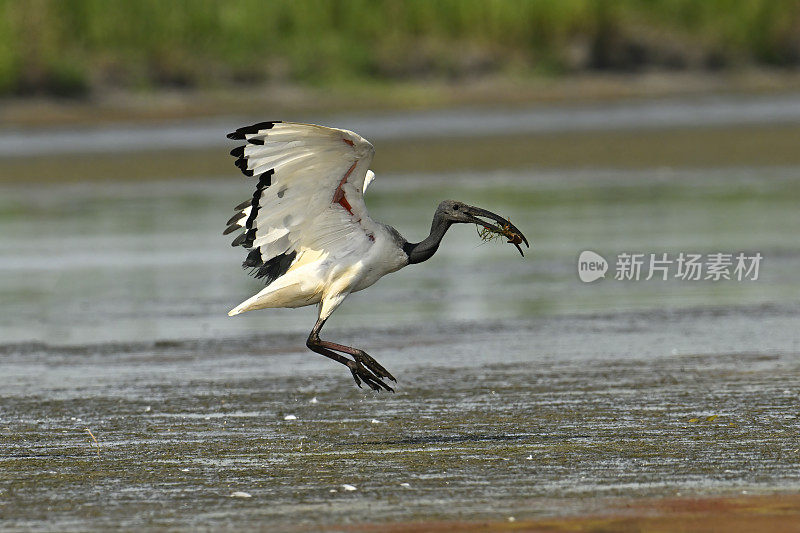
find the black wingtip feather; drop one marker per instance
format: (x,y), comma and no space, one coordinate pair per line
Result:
(265,179)
(244,204)
(242,164)
(253,259)
(238,151)
(235,218)
(240,133)
(272,269)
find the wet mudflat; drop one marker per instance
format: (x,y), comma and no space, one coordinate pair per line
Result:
(521,390)
(529,419)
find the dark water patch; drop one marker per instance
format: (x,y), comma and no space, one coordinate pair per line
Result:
(441,439)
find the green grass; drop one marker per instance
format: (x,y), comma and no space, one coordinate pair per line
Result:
(69,47)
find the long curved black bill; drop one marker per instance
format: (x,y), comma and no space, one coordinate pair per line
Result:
(506,228)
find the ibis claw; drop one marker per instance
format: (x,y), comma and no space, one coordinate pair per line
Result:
(374,366)
(355,377)
(360,373)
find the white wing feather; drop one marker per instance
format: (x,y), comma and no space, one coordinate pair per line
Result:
(309,195)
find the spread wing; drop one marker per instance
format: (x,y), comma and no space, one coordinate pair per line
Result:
(308,196)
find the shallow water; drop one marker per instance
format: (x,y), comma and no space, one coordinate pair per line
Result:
(521,390)
(146,261)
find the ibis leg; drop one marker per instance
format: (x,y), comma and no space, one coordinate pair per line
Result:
(363,367)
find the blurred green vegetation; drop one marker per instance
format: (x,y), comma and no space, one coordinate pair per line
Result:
(72,47)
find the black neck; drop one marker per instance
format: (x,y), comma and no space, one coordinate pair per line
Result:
(424,250)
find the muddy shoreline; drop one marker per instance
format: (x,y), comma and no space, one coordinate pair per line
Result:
(153,107)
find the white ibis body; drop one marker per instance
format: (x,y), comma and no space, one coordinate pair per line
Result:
(308,232)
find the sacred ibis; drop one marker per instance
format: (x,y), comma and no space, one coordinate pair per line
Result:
(308,232)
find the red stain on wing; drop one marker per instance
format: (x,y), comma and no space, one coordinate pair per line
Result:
(338,196)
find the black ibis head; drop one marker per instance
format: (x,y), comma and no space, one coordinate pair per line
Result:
(459,212)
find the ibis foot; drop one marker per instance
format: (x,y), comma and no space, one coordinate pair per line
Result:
(375,367)
(362,366)
(360,373)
